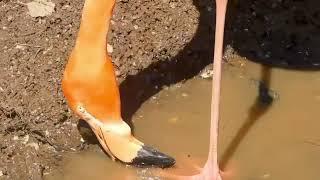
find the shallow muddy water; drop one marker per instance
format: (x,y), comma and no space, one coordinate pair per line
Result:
(280,141)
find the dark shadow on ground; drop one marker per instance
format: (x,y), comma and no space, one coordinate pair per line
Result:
(261,106)
(283,33)
(277,33)
(197,54)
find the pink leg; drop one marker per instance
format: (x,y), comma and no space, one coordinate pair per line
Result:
(211,169)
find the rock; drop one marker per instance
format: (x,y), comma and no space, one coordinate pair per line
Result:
(207,73)
(34,145)
(184,95)
(173,120)
(109,48)
(40,8)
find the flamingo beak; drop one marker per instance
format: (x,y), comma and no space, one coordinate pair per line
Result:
(148,156)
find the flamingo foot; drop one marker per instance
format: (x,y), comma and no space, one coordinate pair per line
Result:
(204,175)
(187,169)
(187,165)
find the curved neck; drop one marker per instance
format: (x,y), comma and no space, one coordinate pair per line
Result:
(96,16)
(221,6)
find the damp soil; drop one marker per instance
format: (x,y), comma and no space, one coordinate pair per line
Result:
(155,44)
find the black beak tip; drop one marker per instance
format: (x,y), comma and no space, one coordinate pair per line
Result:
(148,156)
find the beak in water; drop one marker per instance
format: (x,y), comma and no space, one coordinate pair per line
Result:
(123,145)
(90,87)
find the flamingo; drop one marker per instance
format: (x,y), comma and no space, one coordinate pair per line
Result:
(90,88)
(89,85)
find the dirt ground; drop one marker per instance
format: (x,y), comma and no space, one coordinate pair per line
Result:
(155,44)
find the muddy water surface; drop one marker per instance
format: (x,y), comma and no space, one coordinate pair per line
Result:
(277,141)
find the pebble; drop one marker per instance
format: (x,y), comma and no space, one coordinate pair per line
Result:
(20,47)
(25,139)
(109,48)
(206,74)
(184,95)
(15,138)
(34,145)
(265,176)
(173,120)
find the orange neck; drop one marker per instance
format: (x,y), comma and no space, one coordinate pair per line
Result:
(94,26)
(90,64)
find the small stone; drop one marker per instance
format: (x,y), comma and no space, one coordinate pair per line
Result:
(268,55)
(40,8)
(135,27)
(1,173)
(25,139)
(20,47)
(173,5)
(47,133)
(10,18)
(109,48)
(173,120)
(206,74)
(117,72)
(15,138)
(184,95)
(265,176)
(34,145)
(66,7)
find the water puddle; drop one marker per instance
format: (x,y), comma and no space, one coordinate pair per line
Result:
(276,142)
